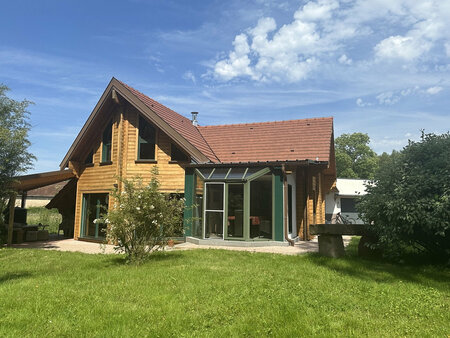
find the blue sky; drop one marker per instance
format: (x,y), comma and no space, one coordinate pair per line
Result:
(380,67)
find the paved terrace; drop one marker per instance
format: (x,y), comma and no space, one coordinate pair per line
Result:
(95,248)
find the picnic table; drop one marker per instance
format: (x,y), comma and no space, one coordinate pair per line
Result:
(330,237)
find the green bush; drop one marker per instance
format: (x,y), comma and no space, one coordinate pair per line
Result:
(142,219)
(408,204)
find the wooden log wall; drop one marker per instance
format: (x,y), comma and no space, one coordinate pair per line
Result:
(101,178)
(312,186)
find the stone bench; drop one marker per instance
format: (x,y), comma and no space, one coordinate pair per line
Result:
(330,237)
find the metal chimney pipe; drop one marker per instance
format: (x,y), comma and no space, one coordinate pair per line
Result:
(194,118)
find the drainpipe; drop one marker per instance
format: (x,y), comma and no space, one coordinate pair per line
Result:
(285,204)
(305,212)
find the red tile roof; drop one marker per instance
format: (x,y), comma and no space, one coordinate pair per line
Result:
(178,122)
(294,140)
(308,139)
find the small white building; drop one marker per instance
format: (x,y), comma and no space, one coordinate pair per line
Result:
(343,199)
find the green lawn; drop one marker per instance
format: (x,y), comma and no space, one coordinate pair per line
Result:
(218,293)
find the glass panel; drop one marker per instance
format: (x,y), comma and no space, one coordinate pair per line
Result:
(348,205)
(177,155)
(214,196)
(236,173)
(146,140)
(107,137)
(261,207)
(235,220)
(89,158)
(205,171)
(96,206)
(198,208)
(214,224)
(147,151)
(252,171)
(219,173)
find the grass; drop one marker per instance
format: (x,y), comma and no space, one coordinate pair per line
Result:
(218,293)
(52,218)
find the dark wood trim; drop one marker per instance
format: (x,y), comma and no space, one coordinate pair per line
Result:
(145,161)
(106,163)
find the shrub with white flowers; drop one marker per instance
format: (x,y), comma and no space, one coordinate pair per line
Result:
(143,218)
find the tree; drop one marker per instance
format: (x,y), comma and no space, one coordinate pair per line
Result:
(408,203)
(142,219)
(354,157)
(14,155)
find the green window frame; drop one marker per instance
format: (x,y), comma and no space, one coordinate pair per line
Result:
(146,140)
(107,143)
(247,175)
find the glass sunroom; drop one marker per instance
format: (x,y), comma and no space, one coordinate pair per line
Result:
(234,203)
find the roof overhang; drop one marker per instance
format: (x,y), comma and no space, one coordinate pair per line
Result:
(119,88)
(33,181)
(260,163)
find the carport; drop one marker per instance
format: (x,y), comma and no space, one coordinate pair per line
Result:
(22,184)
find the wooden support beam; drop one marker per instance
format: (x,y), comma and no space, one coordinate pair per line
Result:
(12,204)
(24,199)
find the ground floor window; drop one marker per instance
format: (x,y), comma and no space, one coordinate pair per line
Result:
(261,207)
(94,206)
(214,210)
(229,206)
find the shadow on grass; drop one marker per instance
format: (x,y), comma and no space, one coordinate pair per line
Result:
(152,258)
(13,276)
(383,271)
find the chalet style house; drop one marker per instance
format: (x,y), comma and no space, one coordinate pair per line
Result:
(244,182)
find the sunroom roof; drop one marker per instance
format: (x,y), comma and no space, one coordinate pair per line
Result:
(228,173)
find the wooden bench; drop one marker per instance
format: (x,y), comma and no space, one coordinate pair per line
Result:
(330,237)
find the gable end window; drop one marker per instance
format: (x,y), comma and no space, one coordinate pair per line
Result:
(107,143)
(89,158)
(147,137)
(177,155)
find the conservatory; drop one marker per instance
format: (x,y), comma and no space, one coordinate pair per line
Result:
(234,203)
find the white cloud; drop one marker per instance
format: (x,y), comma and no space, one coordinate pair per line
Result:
(315,11)
(321,30)
(400,47)
(345,60)
(188,75)
(238,62)
(447,49)
(387,98)
(433,90)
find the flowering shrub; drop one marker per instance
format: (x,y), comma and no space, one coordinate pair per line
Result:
(142,218)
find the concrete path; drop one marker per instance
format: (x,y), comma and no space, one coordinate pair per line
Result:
(95,248)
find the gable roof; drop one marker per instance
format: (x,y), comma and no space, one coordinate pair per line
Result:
(176,126)
(294,140)
(178,122)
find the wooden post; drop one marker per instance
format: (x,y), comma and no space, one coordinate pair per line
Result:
(24,199)
(12,204)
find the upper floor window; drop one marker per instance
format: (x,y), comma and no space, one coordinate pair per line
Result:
(89,158)
(107,143)
(146,144)
(177,155)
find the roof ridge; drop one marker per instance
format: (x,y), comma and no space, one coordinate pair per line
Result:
(266,122)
